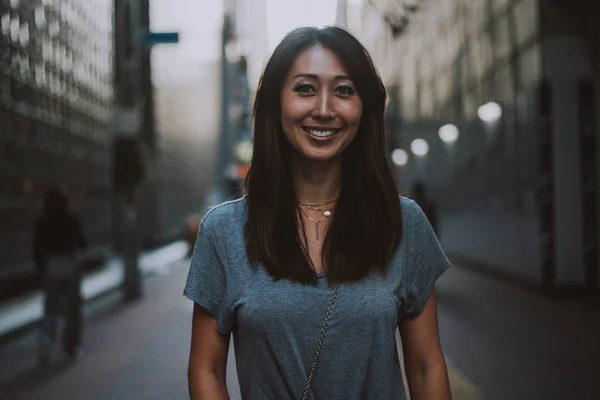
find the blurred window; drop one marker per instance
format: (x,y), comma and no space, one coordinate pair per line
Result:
(425,106)
(530,67)
(498,6)
(502,38)
(504,83)
(476,59)
(487,54)
(526,20)
(465,70)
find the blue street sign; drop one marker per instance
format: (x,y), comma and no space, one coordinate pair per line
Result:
(153,38)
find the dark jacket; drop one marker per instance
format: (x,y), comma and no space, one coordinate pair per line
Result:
(56,235)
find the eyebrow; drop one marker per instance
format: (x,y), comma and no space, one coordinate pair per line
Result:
(314,76)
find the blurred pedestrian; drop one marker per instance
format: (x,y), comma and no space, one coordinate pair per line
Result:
(419,195)
(131,244)
(58,237)
(315,268)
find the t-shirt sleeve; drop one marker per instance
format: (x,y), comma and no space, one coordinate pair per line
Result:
(206,283)
(425,261)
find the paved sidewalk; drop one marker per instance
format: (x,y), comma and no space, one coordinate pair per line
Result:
(512,343)
(137,351)
(26,310)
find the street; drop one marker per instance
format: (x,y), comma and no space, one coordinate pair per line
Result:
(507,342)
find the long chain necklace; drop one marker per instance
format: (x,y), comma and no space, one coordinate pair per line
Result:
(317,207)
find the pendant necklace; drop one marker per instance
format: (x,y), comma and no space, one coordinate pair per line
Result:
(318,207)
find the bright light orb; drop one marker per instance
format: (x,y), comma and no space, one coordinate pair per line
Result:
(419,147)
(489,112)
(399,157)
(448,133)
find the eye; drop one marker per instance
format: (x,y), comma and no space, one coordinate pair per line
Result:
(304,88)
(345,90)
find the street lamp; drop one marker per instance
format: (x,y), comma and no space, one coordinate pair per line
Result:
(489,112)
(419,147)
(448,133)
(399,157)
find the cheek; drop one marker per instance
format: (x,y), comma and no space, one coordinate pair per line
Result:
(351,113)
(288,114)
(293,108)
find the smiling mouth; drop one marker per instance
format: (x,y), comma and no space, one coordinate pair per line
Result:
(321,133)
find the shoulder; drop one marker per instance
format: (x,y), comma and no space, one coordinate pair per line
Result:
(410,208)
(413,216)
(223,216)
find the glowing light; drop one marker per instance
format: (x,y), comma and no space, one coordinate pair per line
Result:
(448,133)
(399,157)
(489,112)
(243,151)
(419,147)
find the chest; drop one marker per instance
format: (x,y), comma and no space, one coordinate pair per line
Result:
(315,248)
(284,309)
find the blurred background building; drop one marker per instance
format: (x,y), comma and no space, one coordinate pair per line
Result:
(83,107)
(56,93)
(494,106)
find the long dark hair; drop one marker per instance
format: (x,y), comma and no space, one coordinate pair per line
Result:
(366,228)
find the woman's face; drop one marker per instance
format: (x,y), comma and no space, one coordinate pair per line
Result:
(320,107)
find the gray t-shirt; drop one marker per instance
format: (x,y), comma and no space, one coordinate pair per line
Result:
(276,325)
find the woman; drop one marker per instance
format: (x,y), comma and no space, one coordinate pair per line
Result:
(58,236)
(315,268)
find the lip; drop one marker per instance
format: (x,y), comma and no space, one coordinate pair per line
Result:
(307,128)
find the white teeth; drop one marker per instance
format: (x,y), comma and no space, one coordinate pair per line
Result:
(321,133)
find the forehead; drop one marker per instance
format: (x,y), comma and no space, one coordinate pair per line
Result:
(317,60)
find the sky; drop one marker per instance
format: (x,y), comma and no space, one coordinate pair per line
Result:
(199,25)
(285,15)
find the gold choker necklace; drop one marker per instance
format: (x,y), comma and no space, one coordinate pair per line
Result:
(317,205)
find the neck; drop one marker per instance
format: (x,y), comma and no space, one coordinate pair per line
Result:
(316,182)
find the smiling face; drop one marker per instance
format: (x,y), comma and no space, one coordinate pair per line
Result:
(320,107)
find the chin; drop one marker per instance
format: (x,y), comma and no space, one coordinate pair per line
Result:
(313,156)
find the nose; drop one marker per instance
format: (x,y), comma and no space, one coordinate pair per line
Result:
(323,109)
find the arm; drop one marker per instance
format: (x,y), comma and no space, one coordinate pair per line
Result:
(424,361)
(208,358)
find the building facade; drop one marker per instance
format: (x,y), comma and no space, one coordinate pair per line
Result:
(244,53)
(501,98)
(55,110)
